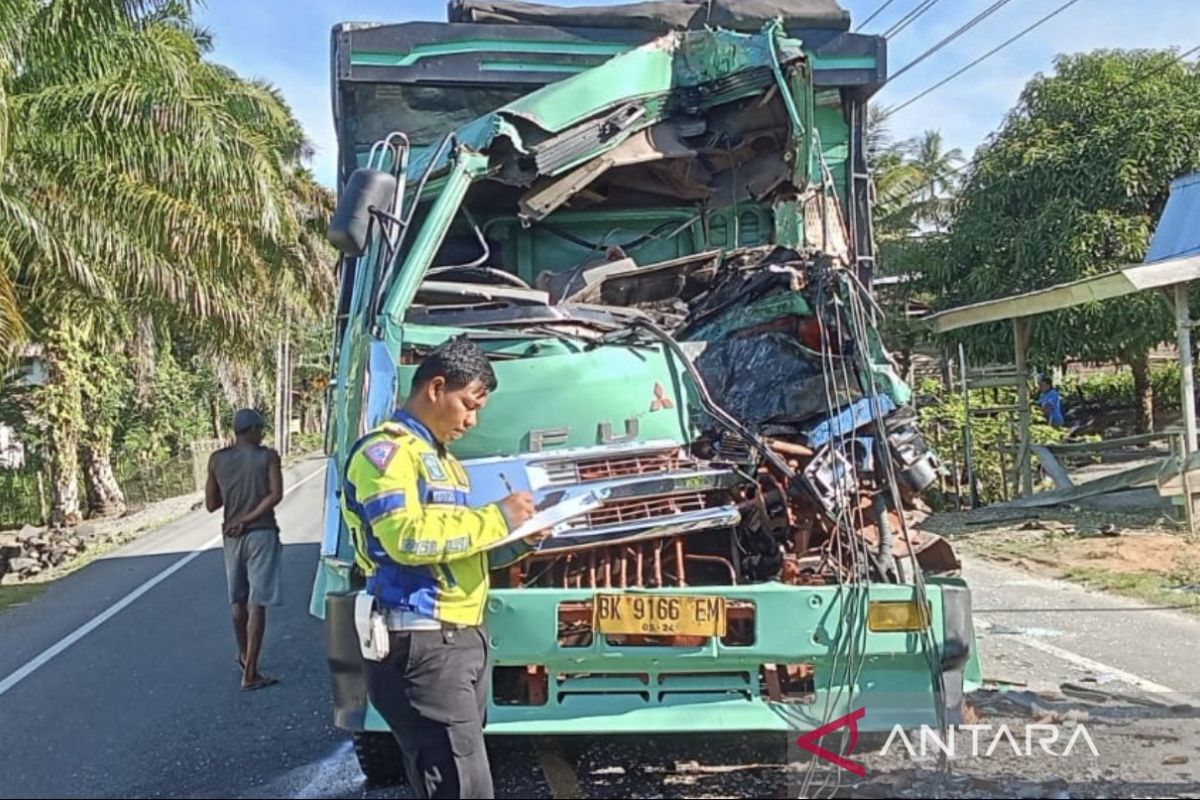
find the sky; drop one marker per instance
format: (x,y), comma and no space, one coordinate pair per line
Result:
(287,43)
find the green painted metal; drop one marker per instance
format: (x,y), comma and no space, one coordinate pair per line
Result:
(648,73)
(435,50)
(556,382)
(606,689)
(564,386)
(834,136)
(500,65)
(820,62)
(789,224)
(426,51)
(765,310)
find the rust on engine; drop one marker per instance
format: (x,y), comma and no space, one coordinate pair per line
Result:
(820,461)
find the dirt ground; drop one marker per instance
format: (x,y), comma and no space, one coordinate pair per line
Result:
(1142,553)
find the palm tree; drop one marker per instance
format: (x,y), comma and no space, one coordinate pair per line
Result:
(136,179)
(894,178)
(939,174)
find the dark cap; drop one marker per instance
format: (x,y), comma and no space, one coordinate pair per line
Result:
(246,419)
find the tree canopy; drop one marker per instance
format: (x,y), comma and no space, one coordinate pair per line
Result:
(1071,186)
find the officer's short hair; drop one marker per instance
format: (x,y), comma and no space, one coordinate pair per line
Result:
(460,361)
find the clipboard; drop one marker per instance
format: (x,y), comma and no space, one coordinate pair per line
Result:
(554,516)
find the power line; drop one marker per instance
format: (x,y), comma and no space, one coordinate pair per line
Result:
(978,18)
(909,18)
(1150,73)
(984,57)
(874,14)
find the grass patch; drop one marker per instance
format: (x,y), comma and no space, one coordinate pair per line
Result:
(1043,548)
(1149,586)
(19,594)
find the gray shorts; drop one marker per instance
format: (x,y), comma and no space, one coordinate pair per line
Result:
(252,567)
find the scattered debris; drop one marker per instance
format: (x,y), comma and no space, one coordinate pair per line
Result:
(1154,737)
(1103,677)
(1047,525)
(32,551)
(1040,633)
(998,682)
(1098,696)
(613,771)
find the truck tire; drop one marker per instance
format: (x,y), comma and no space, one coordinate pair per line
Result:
(379,758)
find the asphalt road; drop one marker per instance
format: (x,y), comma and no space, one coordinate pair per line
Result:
(146,702)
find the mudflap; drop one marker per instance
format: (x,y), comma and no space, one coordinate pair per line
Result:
(345,662)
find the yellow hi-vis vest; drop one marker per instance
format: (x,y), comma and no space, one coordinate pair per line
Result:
(418,541)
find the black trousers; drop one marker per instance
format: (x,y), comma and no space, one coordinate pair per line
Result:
(432,690)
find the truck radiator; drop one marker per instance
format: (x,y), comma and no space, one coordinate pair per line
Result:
(675,561)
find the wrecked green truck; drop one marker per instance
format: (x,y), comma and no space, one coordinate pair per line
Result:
(656,221)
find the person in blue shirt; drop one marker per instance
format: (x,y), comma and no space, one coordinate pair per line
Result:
(1051,402)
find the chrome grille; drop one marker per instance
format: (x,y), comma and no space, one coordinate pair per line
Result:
(625,511)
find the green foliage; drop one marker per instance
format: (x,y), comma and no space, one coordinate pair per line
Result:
(308,443)
(1115,389)
(942,418)
(177,414)
(140,181)
(1072,186)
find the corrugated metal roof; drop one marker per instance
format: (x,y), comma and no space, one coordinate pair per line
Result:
(1178,230)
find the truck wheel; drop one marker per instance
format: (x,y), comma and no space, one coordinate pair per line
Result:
(379,758)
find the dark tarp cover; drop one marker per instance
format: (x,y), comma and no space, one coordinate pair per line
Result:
(740,15)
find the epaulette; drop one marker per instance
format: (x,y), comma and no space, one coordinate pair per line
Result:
(394,428)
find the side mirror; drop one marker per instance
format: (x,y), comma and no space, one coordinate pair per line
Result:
(350,227)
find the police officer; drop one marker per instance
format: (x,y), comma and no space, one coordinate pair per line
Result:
(422,549)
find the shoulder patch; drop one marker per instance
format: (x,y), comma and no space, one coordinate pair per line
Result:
(380,453)
(433,467)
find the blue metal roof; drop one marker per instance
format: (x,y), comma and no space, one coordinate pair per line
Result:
(1178,231)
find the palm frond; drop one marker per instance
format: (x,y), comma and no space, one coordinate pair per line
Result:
(13,328)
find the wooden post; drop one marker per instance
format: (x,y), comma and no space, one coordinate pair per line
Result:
(968,446)
(1183,331)
(1022,332)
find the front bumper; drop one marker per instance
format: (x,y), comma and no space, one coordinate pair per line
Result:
(609,689)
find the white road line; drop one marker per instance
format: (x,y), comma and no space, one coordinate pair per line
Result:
(37,662)
(1085,662)
(1094,666)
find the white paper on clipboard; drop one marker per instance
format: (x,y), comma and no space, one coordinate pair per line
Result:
(553,516)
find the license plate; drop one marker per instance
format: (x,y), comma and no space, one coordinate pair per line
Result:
(660,615)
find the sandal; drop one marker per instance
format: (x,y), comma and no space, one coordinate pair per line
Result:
(264,681)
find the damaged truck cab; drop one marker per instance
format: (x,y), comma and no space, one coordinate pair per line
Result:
(659,230)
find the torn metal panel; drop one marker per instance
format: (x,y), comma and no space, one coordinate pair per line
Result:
(435,292)
(569,122)
(824,227)
(765,330)
(680,279)
(653,144)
